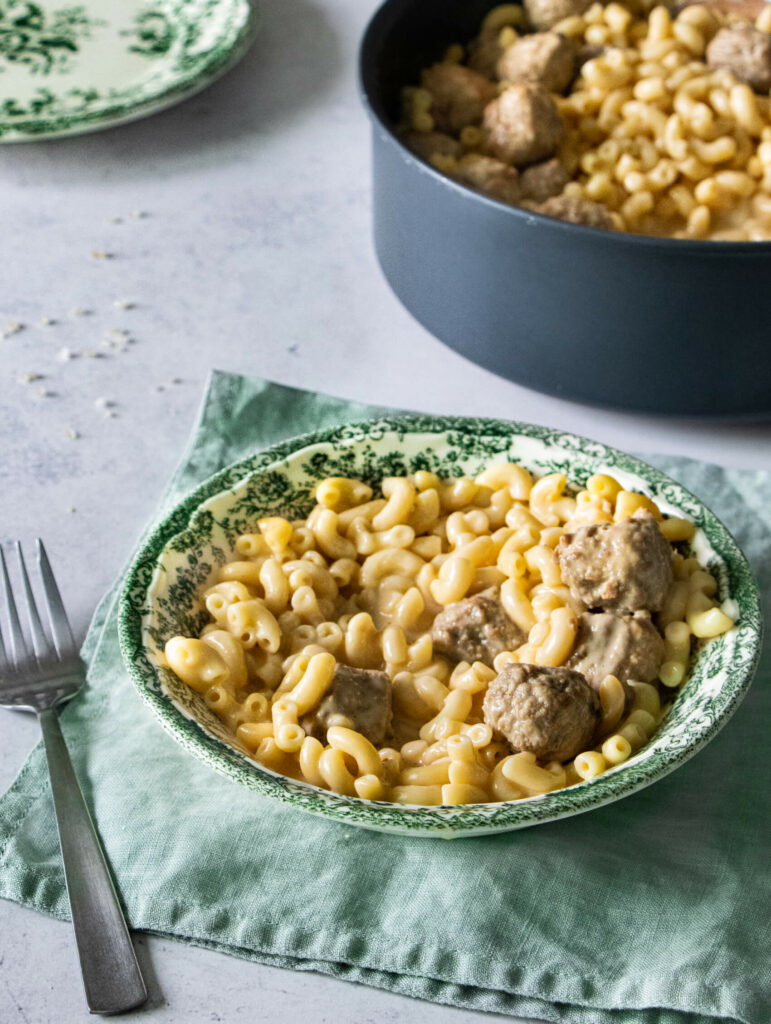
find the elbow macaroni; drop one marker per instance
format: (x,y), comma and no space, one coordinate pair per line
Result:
(671,146)
(359,583)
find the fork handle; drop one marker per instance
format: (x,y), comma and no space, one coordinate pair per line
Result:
(111,974)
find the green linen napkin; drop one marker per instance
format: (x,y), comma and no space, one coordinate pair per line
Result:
(653,910)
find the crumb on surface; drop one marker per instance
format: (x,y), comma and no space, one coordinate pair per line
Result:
(80,311)
(29,377)
(72,435)
(116,339)
(100,254)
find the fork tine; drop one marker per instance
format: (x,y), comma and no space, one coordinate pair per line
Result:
(60,627)
(17,646)
(40,642)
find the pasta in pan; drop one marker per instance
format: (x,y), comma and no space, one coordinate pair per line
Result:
(636,116)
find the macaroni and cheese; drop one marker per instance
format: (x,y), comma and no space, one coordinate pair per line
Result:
(452,641)
(634,117)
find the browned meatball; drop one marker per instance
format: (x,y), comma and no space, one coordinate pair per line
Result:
(550,712)
(747,10)
(361,695)
(575,210)
(475,629)
(542,181)
(625,646)
(588,52)
(484,53)
(544,57)
(545,13)
(745,52)
(623,567)
(459,96)
(523,124)
(425,144)
(491,176)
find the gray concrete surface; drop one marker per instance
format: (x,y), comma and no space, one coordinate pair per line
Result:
(253,254)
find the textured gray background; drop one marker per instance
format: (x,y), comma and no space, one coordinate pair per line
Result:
(254,255)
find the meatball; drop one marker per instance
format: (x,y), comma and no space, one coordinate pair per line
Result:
(544,180)
(588,52)
(625,646)
(459,96)
(491,176)
(425,144)
(550,712)
(523,124)
(475,629)
(545,13)
(361,695)
(745,52)
(484,52)
(575,210)
(544,57)
(623,567)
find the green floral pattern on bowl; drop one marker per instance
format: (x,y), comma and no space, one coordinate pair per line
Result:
(71,69)
(177,560)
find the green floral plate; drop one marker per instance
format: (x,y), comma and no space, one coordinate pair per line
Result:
(67,68)
(160,598)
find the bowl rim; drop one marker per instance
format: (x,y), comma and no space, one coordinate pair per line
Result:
(368,92)
(450,820)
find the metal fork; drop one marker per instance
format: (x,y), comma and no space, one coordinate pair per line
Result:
(41,679)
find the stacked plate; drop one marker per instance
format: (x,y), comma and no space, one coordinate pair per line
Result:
(71,69)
